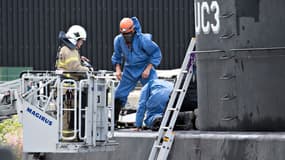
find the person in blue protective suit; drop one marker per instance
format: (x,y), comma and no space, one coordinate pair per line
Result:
(153,100)
(152,103)
(141,55)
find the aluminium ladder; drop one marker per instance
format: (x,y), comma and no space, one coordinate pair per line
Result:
(165,138)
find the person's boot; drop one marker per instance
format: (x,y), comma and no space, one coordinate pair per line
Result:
(118,106)
(156,123)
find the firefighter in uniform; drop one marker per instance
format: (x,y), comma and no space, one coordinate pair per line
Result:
(69,60)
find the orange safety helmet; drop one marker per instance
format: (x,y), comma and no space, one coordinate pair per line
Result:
(126,25)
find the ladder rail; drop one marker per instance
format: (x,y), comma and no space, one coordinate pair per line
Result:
(167,144)
(180,100)
(82,110)
(175,113)
(164,140)
(180,78)
(174,95)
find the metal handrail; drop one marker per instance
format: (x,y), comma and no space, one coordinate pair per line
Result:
(72,108)
(82,84)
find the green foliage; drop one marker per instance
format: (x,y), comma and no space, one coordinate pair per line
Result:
(8,126)
(11,135)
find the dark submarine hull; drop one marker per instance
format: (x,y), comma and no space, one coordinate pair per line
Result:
(240,65)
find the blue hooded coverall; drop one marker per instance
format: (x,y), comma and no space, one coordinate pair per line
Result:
(154,97)
(142,52)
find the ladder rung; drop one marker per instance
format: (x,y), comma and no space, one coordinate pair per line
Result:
(179,90)
(167,128)
(172,109)
(158,146)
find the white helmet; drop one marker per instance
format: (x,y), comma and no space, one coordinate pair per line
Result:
(76,32)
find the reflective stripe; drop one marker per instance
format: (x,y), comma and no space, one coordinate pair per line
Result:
(68,85)
(63,64)
(70,59)
(67,131)
(67,75)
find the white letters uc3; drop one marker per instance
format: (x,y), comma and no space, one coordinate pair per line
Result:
(202,9)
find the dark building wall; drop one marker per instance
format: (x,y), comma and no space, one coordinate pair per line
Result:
(29,28)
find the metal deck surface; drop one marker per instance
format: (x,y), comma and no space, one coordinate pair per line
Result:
(191,145)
